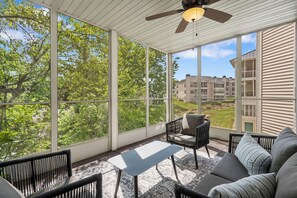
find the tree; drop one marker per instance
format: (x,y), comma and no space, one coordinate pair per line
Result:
(24,77)
(83,71)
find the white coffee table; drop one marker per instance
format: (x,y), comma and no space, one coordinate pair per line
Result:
(136,161)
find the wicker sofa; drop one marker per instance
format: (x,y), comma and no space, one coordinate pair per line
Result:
(46,175)
(228,170)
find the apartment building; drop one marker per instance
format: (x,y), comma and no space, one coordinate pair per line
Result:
(268,81)
(212,88)
(248,87)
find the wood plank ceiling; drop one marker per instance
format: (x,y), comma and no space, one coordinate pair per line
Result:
(127,17)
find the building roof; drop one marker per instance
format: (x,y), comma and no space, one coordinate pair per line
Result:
(248,55)
(127,18)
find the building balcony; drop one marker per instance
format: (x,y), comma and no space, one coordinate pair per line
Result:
(249,74)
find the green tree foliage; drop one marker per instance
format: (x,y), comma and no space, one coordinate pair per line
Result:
(82,81)
(24,77)
(83,71)
(131,85)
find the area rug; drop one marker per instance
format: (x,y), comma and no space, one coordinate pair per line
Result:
(153,182)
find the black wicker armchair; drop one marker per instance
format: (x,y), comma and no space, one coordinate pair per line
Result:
(174,134)
(266,141)
(49,175)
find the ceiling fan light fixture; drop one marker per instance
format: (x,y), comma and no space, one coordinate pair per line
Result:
(193,14)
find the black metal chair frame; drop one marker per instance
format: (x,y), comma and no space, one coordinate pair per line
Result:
(201,135)
(27,174)
(266,141)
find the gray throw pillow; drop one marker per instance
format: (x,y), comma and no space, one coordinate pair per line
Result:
(283,148)
(252,156)
(192,120)
(9,191)
(255,186)
(287,179)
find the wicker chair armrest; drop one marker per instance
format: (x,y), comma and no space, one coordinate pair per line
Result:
(202,134)
(182,191)
(266,141)
(87,187)
(174,127)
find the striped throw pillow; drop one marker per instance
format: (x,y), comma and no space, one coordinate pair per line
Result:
(255,186)
(252,156)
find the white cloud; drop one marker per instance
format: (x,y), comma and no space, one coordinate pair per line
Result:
(249,38)
(13,34)
(190,54)
(219,50)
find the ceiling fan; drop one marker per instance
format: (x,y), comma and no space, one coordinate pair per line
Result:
(193,10)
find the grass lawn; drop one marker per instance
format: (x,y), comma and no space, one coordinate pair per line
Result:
(181,107)
(223,118)
(220,117)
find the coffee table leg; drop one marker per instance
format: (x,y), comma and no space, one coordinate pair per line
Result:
(118,183)
(135,186)
(174,167)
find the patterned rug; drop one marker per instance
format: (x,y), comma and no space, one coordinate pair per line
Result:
(153,182)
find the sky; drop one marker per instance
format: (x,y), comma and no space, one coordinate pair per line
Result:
(215,58)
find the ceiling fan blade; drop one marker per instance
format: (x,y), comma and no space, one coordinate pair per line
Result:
(216,15)
(182,26)
(164,14)
(211,2)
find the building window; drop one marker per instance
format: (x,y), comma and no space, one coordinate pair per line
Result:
(218,85)
(249,127)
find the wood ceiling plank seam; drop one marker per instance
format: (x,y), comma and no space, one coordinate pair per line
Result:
(126,15)
(151,36)
(103,9)
(170,24)
(112,12)
(285,13)
(184,35)
(132,19)
(122,15)
(142,22)
(56,4)
(241,32)
(37,1)
(65,5)
(75,5)
(209,40)
(92,9)
(48,2)
(99,9)
(79,10)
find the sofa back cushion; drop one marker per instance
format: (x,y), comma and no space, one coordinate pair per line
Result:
(260,186)
(190,123)
(8,190)
(252,156)
(286,179)
(283,148)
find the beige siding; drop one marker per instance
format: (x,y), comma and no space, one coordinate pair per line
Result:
(277,83)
